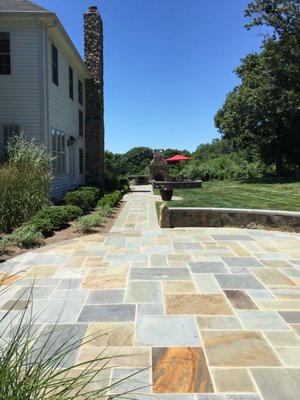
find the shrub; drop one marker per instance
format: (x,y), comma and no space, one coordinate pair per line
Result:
(4,243)
(86,223)
(56,215)
(105,210)
(24,182)
(111,199)
(123,182)
(226,166)
(110,180)
(27,236)
(71,212)
(97,192)
(86,198)
(43,225)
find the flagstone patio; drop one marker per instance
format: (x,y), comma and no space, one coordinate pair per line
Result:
(211,313)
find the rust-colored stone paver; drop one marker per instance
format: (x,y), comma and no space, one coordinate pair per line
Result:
(211,313)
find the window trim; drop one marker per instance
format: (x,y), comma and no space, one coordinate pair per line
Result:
(3,53)
(59,152)
(54,63)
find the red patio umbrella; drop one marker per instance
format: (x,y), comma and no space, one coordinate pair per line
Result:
(178,157)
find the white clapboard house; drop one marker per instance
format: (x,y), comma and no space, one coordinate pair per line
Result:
(43,82)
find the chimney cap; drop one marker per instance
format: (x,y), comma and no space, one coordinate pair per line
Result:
(93,8)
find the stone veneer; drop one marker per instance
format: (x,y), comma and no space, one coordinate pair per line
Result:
(218,217)
(94,127)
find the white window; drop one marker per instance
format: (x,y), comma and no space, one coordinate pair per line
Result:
(10,131)
(58,146)
(81,162)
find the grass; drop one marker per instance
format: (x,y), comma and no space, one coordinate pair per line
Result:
(270,194)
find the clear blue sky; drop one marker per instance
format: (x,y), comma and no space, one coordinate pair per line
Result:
(168,66)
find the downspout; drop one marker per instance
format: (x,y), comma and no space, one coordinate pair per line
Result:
(44,90)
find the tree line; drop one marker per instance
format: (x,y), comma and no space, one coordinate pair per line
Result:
(262,114)
(259,121)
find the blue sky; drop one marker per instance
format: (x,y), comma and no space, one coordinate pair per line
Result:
(168,65)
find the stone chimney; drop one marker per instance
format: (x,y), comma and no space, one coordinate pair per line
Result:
(94,127)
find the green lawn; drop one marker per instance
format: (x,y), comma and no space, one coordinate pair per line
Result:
(269,194)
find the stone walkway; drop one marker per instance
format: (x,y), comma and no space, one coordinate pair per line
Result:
(202,313)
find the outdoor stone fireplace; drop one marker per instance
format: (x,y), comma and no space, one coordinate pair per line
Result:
(158,169)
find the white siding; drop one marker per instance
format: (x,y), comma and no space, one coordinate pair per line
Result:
(20,101)
(63,115)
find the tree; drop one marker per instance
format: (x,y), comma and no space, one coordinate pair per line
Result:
(281,15)
(137,160)
(213,149)
(263,112)
(172,152)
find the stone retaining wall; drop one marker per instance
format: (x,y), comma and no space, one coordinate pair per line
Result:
(177,185)
(218,217)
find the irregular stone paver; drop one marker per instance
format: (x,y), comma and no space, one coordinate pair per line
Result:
(221,301)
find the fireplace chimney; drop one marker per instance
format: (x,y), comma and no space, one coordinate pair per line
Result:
(93,57)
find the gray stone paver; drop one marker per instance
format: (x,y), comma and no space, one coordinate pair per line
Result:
(129,275)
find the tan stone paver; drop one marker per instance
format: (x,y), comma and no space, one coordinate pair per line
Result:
(224,302)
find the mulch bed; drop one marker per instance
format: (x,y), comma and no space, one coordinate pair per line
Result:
(64,234)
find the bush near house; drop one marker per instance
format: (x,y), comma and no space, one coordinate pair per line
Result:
(111,199)
(24,182)
(85,197)
(53,218)
(26,236)
(43,225)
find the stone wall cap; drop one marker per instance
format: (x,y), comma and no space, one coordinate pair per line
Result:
(237,210)
(92,9)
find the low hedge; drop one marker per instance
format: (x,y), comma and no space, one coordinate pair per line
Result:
(26,236)
(53,218)
(43,225)
(85,197)
(111,199)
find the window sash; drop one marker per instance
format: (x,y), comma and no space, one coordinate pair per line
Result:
(81,162)
(71,89)
(58,144)
(80,122)
(80,92)
(54,65)
(5,65)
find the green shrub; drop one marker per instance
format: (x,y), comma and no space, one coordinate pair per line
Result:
(24,182)
(97,192)
(85,198)
(125,188)
(110,180)
(86,223)
(123,182)
(111,199)
(105,210)
(71,212)
(43,225)
(226,166)
(27,236)
(56,215)
(4,244)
